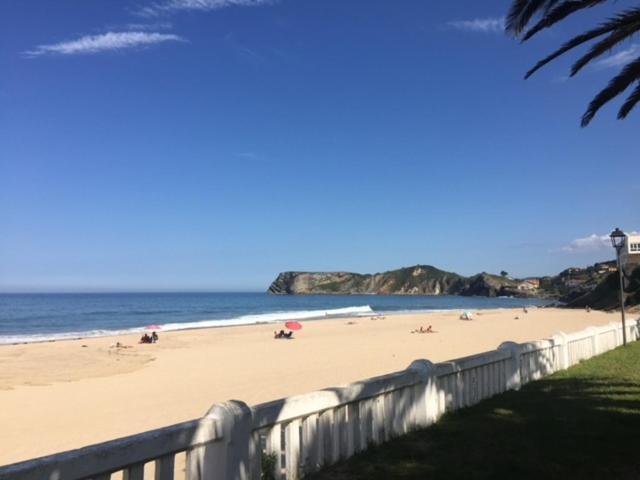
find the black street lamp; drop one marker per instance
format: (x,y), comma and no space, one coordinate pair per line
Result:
(618,239)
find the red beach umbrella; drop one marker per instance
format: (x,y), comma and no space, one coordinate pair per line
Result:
(293,325)
(153,327)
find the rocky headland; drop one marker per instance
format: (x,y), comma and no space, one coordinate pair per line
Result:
(417,280)
(595,286)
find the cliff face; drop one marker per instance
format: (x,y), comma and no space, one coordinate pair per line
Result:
(596,286)
(605,294)
(573,283)
(487,285)
(418,280)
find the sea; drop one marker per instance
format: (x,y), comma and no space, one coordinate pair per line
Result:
(28,318)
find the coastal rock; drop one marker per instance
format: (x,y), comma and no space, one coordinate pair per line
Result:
(487,285)
(604,295)
(418,280)
(575,287)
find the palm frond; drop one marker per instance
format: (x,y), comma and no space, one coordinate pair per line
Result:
(571,44)
(618,84)
(560,12)
(629,103)
(624,26)
(522,11)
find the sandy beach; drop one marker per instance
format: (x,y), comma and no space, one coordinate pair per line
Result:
(57,396)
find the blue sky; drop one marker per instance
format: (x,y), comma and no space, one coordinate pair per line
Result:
(210,144)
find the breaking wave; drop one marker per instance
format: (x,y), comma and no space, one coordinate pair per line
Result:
(261,318)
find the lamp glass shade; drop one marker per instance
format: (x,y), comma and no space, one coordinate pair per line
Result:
(617,238)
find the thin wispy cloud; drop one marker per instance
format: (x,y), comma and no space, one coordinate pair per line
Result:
(480,25)
(173,6)
(146,27)
(592,243)
(621,58)
(91,44)
(245,54)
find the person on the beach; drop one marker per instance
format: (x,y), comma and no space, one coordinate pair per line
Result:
(154,337)
(429,329)
(145,339)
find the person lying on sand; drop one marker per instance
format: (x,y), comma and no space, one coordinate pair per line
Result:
(119,345)
(281,334)
(429,329)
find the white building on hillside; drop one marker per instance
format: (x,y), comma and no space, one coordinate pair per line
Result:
(630,254)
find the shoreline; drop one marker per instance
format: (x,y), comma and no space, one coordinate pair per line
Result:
(143,329)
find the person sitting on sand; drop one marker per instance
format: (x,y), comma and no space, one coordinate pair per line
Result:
(154,337)
(429,329)
(145,339)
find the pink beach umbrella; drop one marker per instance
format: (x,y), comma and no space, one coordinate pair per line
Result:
(293,325)
(153,327)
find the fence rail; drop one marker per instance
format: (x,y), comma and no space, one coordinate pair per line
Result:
(301,434)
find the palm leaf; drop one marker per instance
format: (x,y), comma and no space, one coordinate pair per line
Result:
(629,103)
(625,25)
(574,42)
(616,30)
(618,84)
(522,11)
(560,12)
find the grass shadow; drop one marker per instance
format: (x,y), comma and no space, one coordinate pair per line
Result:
(580,423)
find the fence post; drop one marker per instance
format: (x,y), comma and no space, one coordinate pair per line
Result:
(560,340)
(230,457)
(634,328)
(513,380)
(595,344)
(618,329)
(425,409)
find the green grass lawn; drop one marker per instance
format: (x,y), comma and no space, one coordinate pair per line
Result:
(581,423)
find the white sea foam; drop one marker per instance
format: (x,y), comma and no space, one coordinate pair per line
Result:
(270,318)
(52,337)
(273,317)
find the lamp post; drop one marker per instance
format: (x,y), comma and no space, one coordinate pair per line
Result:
(618,239)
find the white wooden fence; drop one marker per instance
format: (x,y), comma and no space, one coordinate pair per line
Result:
(301,434)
